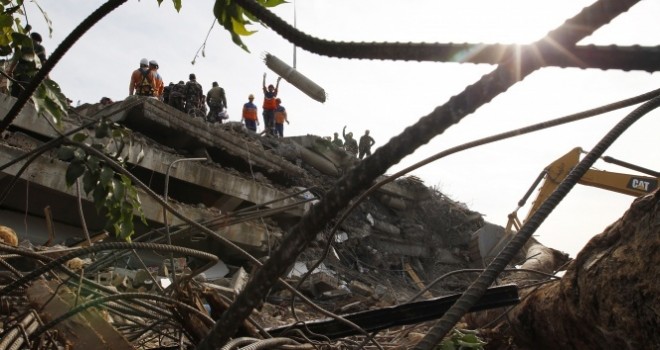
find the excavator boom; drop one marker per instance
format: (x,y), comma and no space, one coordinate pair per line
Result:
(490,239)
(633,185)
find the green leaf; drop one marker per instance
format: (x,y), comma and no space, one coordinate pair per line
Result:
(92,165)
(447,344)
(89,182)
(464,344)
(272,3)
(126,227)
(65,153)
(118,189)
(102,130)
(177,5)
(79,154)
(106,175)
(118,133)
(74,171)
(80,137)
(6,21)
(100,194)
(240,29)
(21,40)
(49,98)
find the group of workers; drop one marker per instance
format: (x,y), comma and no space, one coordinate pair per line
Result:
(274,114)
(361,149)
(189,98)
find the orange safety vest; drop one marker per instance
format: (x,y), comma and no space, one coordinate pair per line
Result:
(279,116)
(145,86)
(249,113)
(270,103)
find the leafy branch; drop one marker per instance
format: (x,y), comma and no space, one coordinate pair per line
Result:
(114,192)
(235,19)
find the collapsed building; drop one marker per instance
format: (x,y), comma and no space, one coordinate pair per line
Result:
(241,188)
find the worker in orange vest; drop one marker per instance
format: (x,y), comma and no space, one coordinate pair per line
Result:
(249,116)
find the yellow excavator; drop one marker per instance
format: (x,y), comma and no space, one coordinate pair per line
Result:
(490,239)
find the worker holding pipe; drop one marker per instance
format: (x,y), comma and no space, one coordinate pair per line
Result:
(270,105)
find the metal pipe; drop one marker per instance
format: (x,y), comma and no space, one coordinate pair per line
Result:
(167,226)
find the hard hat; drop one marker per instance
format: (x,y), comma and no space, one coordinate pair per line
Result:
(144,62)
(251,97)
(35,36)
(153,63)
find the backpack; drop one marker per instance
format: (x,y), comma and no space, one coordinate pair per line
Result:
(145,88)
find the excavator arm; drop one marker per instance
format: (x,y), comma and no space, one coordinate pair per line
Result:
(490,239)
(633,185)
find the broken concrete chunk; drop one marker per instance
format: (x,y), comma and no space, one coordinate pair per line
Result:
(323,282)
(335,293)
(239,280)
(360,288)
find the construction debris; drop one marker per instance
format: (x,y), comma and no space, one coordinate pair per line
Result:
(249,191)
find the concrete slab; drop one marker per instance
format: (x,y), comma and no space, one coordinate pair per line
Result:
(85,330)
(175,129)
(49,173)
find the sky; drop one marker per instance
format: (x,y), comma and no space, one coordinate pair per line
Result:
(386,97)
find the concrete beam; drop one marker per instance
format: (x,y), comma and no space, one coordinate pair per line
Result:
(29,119)
(49,172)
(173,128)
(156,159)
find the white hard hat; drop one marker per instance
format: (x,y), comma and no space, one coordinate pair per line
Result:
(153,63)
(144,62)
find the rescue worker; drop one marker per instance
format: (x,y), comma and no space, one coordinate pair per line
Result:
(39,50)
(194,95)
(177,97)
(249,115)
(106,101)
(270,105)
(337,141)
(142,81)
(217,102)
(280,118)
(350,144)
(366,142)
(160,86)
(166,92)
(25,63)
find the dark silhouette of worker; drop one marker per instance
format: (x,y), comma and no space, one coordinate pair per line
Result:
(337,141)
(366,142)
(350,144)
(25,63)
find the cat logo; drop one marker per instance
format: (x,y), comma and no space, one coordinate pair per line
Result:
(643,184)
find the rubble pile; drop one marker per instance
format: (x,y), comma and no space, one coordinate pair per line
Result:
(246,189)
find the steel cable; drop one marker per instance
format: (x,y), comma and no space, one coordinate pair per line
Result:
(362,176)
(125,296)
(100,247)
